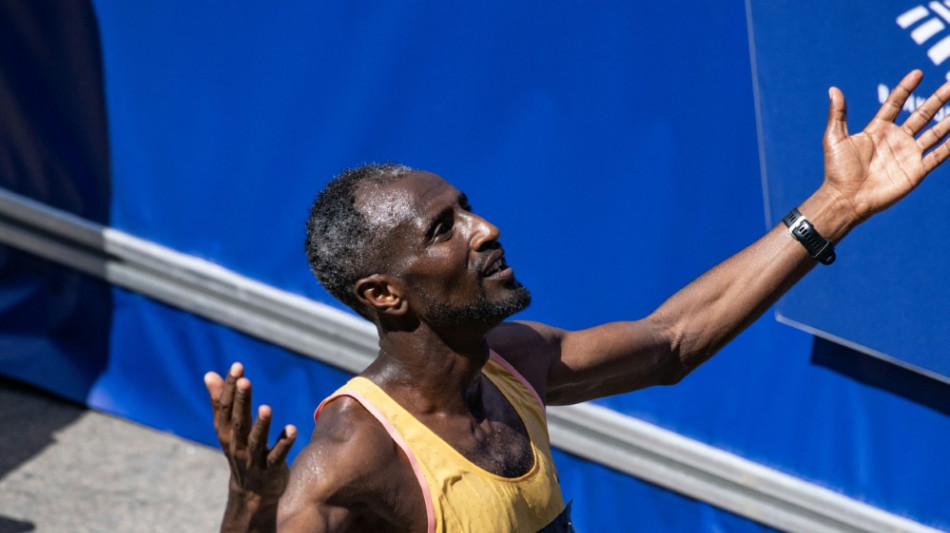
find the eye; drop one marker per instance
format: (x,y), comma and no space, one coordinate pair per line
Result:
(442,229)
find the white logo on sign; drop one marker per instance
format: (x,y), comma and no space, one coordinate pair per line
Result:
(927,29)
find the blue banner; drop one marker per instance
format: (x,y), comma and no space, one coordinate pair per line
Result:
(614,145)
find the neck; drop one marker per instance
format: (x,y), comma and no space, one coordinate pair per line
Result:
(431,371)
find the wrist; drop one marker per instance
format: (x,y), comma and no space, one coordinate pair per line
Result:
(829,213)
(818,247)
(248,512)
(251,501)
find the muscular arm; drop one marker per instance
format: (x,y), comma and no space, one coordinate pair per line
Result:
(351,477)
(864,174)
(682,333)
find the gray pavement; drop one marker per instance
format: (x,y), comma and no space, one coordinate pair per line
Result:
(64,468)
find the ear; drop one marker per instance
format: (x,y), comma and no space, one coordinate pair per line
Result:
(381,293)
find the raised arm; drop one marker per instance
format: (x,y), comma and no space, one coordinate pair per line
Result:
(864,174)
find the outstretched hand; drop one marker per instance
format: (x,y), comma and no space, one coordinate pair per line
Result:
(258,474)
(875,168)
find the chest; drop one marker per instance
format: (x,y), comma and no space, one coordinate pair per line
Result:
(490,440)
(497,443)
(501,448)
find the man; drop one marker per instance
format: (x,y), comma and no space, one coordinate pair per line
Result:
(445,430)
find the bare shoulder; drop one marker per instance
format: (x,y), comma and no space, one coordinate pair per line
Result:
(531,347)
(350,476)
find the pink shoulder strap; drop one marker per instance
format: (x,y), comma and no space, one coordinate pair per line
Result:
(507,366)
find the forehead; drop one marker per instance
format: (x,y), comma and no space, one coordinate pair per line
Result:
(411,198)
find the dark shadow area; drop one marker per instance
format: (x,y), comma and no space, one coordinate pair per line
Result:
(883,375)
(30,418)
(54,144)
(54,148)
(9,525)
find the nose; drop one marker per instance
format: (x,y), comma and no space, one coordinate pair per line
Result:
(484,233)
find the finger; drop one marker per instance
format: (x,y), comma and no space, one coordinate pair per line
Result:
(214,383)
(222,416)
(284,442)
(925,113)
(936,157)
(257,440)
(929,138)
(241,414)
(837,128)
(895,101)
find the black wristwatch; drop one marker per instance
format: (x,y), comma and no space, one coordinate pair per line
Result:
(818,247)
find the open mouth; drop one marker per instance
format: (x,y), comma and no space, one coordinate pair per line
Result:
(496,266)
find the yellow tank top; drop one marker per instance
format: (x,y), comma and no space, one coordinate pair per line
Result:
(459,495)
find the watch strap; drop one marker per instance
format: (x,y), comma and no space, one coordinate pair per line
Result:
(818,247)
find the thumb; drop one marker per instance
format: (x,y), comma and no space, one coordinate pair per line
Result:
(837,128)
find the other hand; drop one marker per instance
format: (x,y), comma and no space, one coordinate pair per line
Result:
(258,473)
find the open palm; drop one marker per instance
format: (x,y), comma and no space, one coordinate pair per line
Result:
(875,168)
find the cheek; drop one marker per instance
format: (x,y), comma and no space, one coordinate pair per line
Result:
(443,279)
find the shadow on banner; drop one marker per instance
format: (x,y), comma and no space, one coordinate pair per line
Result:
(54,322)
(883,375)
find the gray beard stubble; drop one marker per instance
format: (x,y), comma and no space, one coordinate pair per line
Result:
(481,310)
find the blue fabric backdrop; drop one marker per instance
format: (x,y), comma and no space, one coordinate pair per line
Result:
(614,145)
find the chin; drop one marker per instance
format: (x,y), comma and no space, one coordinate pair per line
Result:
(482,311)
